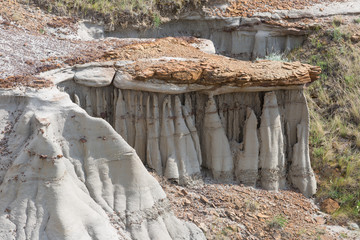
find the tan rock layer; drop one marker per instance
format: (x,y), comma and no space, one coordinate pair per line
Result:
(176,61)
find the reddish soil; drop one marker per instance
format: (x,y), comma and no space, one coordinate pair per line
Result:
(232,211)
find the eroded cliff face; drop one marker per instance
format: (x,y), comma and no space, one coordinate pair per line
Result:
(66,175)
(252,136)
(243,121)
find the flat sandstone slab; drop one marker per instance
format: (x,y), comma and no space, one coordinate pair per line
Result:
(94,77)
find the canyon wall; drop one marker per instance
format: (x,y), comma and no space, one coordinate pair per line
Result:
(236,34)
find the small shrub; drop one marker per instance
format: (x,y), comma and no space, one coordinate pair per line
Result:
(337,22)
(319,45)
(277,57)
(350,80)
(336,35)
(157,20)
(278,222)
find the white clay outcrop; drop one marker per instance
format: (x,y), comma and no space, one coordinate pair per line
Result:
(153,157)
(301,174)
(186,153)
(167,143)
(72,156)
(66,175)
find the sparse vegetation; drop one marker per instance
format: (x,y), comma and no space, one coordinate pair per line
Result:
(334,103)
(275,57)
(277,222)
(138,13)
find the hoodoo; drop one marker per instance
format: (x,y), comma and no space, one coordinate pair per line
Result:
(184,110)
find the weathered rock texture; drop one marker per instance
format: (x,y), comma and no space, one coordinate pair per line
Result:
(236,119)
(66,175)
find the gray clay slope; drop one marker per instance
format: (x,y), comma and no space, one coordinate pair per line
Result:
(66,175)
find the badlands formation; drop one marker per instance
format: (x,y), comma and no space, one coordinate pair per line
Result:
(184,111)
(66,173)
(76,142)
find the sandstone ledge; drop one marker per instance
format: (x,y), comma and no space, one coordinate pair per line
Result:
(176,61)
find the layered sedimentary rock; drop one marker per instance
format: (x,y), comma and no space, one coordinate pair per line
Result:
(67,175)
(188,110)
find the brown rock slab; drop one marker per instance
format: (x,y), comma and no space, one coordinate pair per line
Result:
(329,206)
(186,202)
(181,63)
(262,215)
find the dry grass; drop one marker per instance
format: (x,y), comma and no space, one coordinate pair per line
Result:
(334,103)
(120,13)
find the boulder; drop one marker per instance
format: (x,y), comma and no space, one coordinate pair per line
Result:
(329,206)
